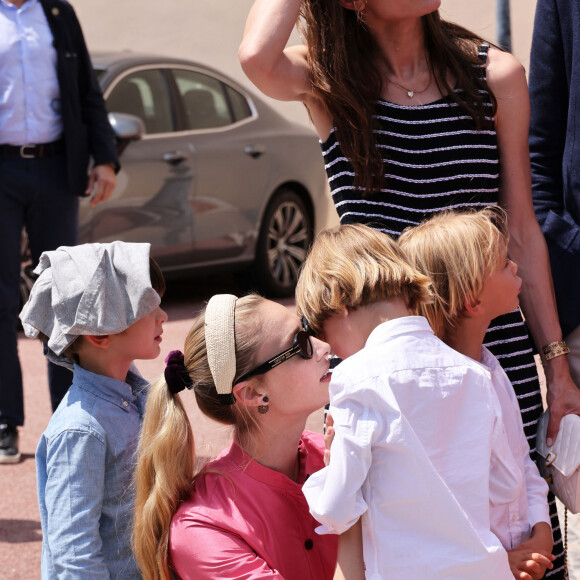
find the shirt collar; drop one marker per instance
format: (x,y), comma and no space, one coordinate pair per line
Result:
(26,6)
(398,326)
(117,392)
(488,360)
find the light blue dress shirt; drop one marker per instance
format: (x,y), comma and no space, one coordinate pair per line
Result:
(84,466)
(29,89)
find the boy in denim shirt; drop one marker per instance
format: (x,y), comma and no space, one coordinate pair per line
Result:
(96,307)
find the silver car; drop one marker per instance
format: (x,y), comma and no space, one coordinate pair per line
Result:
(211,176)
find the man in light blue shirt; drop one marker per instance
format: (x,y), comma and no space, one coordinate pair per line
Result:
(52,121)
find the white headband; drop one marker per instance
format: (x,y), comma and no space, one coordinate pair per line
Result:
(220,342)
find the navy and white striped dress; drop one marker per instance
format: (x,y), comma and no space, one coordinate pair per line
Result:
(435,159)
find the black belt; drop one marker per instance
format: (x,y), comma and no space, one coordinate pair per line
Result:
(33,151)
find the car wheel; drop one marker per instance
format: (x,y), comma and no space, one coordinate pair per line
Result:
(285,238)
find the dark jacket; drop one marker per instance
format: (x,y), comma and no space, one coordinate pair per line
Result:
(555,145)
(86,128)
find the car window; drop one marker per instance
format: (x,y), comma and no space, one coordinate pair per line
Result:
(204,100)
(144,94)
(240,106)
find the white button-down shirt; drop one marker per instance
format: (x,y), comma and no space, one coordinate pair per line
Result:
(512,522)
(419,453)
(29,89)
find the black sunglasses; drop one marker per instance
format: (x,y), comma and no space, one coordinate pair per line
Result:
(302,345)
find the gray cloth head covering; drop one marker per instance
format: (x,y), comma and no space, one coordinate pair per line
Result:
(93,289)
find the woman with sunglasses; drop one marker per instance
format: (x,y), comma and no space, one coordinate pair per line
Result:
(244,515)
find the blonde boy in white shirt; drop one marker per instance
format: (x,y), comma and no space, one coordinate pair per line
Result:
(474,281)
(420,450)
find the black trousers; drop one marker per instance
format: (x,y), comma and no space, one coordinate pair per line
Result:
(34,195)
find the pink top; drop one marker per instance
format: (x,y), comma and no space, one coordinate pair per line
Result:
(244,520)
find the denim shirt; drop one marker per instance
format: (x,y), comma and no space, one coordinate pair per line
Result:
(84,466)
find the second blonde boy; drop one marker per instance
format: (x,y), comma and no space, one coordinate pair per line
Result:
(473,282)
(417,424)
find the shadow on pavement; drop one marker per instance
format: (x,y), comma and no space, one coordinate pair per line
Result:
(18,531)
(182,293)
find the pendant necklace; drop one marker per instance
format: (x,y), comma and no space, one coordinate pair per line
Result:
(412,92)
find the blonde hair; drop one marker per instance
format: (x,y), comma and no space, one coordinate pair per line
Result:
(459,251)
(166,452)
(352,266)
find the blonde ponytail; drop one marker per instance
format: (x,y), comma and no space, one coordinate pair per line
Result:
(163,478)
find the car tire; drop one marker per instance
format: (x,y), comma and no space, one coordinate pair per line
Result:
(285,237)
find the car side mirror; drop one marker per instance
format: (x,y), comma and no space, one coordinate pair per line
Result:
(127,128)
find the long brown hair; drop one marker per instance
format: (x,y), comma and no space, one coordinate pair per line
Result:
(342,59)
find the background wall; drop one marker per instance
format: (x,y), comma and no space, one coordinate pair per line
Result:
(210,31)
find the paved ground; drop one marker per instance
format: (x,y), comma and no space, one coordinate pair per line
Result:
(20,532)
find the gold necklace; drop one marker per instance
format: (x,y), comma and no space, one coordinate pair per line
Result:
(412,92)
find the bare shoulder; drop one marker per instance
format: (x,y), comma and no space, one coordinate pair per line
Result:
(506,75)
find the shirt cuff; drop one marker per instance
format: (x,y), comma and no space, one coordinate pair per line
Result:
(539,513)
(323,530)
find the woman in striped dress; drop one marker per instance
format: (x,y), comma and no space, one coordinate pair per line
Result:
(417,115)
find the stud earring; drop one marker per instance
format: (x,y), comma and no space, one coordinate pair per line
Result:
(263,409)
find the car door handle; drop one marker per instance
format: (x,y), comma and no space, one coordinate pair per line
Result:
(254,151)
(174,157)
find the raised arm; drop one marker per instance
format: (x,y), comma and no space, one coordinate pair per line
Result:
(279,71)
(334,494)
(527,245)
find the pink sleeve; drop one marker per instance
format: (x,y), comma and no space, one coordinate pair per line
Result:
(200,551)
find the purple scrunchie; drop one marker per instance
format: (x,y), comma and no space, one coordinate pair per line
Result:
(176,375)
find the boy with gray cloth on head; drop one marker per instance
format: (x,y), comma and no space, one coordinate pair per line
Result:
(96,308)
